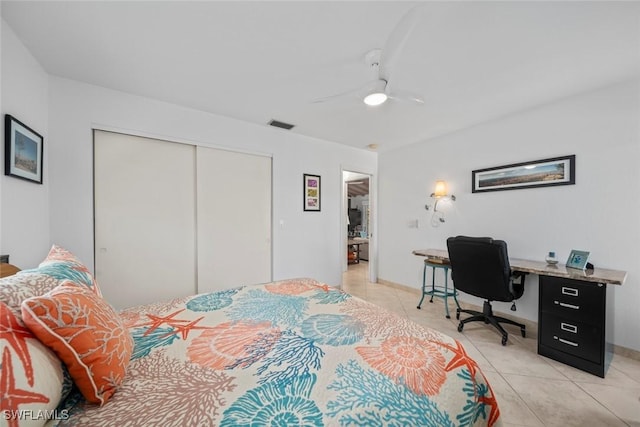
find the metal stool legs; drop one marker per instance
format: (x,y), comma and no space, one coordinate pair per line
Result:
(436,290)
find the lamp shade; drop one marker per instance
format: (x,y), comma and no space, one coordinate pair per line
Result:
(441,189)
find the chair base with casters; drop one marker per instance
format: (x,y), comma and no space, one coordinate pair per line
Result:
(487,316)
(437,290)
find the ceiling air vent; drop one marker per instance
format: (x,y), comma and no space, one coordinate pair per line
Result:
(282,125)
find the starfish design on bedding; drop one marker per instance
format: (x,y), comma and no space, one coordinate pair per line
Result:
(460,358)
(157,321)
(324,287)
(494,412)
(16,334)
(181,326)
(10,396)
(184,329)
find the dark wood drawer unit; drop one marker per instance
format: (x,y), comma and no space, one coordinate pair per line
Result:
(571,323)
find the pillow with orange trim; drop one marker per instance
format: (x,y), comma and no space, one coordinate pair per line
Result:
(87,335)
(32,375)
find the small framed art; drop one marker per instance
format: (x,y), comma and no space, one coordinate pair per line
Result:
(22,150)
(311,193)
(578,259)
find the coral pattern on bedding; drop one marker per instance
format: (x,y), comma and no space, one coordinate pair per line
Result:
(294,352)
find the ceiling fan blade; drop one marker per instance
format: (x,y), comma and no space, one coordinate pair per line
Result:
(358,93)
(406,97)
(337,96)
(397,39)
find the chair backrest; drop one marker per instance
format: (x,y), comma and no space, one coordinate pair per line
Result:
(480,267)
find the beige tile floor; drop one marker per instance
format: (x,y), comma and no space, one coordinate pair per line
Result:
(532,390)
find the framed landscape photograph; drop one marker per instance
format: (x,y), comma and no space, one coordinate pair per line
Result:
(311,193)
(22,151)
(538,173)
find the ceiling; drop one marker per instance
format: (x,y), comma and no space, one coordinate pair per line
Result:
(357,183)
(256,61)
(358,188)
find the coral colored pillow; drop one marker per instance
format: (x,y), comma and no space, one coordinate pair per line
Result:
(87,335)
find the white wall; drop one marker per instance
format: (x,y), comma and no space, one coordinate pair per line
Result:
(76,108)
(600,213)
(24,206)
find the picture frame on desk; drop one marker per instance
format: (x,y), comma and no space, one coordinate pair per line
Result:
(577,259)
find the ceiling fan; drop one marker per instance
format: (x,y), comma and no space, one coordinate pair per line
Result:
(381,62)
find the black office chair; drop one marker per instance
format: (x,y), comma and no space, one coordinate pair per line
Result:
(480,267)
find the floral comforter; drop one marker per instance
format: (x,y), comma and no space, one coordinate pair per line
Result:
(294,352)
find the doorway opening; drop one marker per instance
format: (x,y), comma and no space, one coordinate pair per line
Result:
(358,254)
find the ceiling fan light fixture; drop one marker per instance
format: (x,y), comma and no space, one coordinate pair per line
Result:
(376,98)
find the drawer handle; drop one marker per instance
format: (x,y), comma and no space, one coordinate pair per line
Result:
(565,305)
(569,327)
(569,291)
(563,341)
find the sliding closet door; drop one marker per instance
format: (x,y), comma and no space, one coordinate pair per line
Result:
(144,192)
(234,219)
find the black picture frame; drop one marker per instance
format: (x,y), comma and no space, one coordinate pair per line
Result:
(311,196)
(23,148)
(538,173)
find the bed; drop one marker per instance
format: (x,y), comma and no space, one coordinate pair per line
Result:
(292,352)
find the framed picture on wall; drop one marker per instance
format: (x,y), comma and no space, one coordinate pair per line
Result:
(311,194)
(537,173)
(22,150)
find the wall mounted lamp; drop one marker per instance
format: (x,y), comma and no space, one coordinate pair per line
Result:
(439,194)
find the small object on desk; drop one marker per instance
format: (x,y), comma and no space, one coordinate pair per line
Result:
(577,259)
(551,258)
